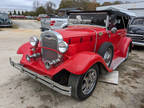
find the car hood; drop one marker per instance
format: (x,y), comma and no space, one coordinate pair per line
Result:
(136,29)
(79,31)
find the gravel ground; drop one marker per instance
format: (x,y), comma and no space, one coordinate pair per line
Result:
(20,91)
(27,24)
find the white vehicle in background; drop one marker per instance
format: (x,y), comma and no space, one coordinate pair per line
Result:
(57,21)
(53,23)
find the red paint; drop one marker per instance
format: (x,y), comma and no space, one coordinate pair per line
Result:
(80,55)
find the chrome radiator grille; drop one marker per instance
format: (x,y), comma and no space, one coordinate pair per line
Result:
(49,42)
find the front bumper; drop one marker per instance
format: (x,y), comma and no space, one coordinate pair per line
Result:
(135,41)
(5,25)
(138,43)
(43,79)
(131,35)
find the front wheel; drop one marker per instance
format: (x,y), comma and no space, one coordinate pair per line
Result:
(84,85)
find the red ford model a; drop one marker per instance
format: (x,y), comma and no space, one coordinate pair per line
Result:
(70,60)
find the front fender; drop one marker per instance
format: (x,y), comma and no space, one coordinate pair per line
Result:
(24,48)
(81,62)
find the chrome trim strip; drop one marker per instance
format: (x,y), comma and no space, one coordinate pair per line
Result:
(134,35)
(138,43)
(43,79)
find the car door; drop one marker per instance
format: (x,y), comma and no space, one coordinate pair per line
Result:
(120,31)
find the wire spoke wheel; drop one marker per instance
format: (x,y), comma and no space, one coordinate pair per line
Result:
(89,81)
(108,56)
(84,85)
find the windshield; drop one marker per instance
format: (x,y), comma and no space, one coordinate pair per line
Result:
(98,18)
(2,15)
(138,21)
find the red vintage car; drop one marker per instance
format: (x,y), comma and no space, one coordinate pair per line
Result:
(70,60)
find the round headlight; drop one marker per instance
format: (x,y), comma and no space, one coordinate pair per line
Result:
(34,41)
(63,46)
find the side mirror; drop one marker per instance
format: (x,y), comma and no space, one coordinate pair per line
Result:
(114,30)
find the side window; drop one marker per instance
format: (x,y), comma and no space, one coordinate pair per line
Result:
(138,21)
(117,22)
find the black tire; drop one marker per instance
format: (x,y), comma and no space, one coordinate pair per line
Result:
(42,30)
(76,82)
(103,49)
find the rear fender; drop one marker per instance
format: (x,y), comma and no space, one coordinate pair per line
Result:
(124,44)
(81,62)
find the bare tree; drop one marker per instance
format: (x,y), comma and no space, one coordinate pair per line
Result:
(36,4)
(50,7)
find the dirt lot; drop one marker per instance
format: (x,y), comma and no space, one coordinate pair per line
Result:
(20,91)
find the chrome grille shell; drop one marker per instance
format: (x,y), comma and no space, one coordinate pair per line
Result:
(50,39)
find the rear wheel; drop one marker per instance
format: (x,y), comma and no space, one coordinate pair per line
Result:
(106,51)
(84,85)
(108,56)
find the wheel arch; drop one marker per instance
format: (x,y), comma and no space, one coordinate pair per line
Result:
(78,65)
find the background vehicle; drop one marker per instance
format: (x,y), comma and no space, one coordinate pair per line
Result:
(70,60)
(53,23)
(17,17)
(57,21)
(30,17)
(42,16)
(136,31)
(5,21)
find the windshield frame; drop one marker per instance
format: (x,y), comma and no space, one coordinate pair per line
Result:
(106,23)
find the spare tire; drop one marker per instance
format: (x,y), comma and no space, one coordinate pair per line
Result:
(106,51)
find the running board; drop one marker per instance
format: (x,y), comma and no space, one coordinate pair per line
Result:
(116,62)
(110,77)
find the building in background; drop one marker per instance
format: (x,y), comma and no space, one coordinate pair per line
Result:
(8,10)
(137,8)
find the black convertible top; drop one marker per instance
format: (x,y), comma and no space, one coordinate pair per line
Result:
(110,12)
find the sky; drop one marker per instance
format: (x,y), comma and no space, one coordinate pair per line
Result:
(28,4)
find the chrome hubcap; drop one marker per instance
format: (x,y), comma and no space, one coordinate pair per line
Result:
(89,81)
(108,56)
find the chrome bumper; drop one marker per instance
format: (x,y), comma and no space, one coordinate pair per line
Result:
(138,43)
(6,25)
(134,35)
(43,79)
